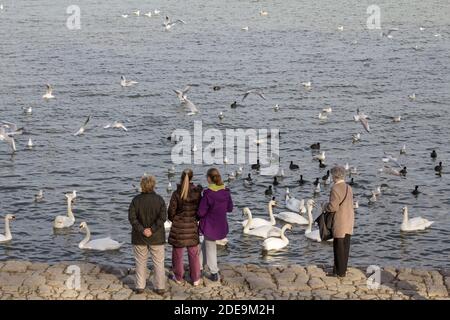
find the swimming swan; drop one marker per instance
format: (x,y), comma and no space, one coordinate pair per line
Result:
(102,244)
(298,206)
(273,244)
(258,222)
(414,224)
(7,236)
(293,204)
(262,231)
(313,235)
(66,221)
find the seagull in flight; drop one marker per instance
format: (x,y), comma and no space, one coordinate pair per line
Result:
(389,158)
(12,127)
(182,94)
(189,105)
(126,83)
(8,139)
(365,123)
(254,91)
(169,24)
(83,127)
(388,33)
(48,94)
(116,125)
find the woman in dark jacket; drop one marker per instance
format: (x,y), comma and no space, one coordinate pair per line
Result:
(182,213)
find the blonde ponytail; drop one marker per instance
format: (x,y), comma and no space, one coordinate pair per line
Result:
(186,177)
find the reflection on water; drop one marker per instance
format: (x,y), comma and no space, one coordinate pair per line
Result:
(351,69)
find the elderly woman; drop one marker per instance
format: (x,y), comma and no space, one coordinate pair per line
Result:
(147,214)
(341,205)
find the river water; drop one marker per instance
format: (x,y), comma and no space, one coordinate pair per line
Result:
(297,41)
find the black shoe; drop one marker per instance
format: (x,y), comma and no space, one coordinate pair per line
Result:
(139,291)
(159,291)
(214,277)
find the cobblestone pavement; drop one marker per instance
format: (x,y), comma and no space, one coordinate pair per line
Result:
(26,280)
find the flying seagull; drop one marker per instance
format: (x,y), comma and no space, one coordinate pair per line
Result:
(182,94)
(126,83)
(48,94)
(365,123)
(12,127)
(388,33)
(254,91)
(8,139)
(83,127)
(189,105)
(169,24)
(116,125)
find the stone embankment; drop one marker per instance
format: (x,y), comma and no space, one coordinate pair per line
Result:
(27,280)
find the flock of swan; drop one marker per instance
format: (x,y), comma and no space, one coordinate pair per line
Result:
(274,236)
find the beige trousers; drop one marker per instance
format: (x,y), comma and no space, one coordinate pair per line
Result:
(141,258)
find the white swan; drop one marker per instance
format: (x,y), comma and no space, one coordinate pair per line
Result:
(269,171)
(258,222)
(310,234)
(66,221)
(294,204)
(291,217)
(102,244)
(320,156)
(273,244)
(262,231)
(7,236)
(414,224)
(223,242)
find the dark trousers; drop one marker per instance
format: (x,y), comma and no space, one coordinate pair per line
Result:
(341,248)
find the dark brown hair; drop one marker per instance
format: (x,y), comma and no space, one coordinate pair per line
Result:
(215,177)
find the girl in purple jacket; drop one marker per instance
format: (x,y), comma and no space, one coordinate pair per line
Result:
(214,205)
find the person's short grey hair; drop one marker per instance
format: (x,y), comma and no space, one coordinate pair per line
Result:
(338,172)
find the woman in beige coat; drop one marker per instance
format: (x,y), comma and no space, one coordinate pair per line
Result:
(341,204)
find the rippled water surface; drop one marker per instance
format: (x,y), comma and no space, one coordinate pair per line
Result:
(298,41)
